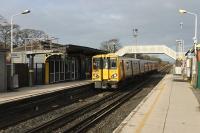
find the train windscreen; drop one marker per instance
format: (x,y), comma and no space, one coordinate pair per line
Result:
(97,63)
(113,63)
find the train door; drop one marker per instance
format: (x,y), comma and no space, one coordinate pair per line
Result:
(132,68)
(136,67)
(97,72)
(139,70)
(123,70)
(105,68)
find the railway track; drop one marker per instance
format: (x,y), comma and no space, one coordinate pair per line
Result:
(97,116)
(22,110)
(97,110)
(69,117)
(92,113)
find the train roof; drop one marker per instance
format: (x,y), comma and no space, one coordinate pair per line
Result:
(105,55)
(99,55)
(128,58)
(121,57)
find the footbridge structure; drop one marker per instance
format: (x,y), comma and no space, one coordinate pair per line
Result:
(147,49)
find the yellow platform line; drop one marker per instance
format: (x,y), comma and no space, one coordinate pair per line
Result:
(146,115)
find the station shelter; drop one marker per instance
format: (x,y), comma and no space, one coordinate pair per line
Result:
(74,64)
(53,63)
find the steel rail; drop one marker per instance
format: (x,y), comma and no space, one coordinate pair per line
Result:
(68,117)
(8,112)
(96,116)
(71,116)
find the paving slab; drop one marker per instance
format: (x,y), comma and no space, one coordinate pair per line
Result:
(171,107)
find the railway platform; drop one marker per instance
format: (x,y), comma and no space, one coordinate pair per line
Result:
(27,92)
(171,107)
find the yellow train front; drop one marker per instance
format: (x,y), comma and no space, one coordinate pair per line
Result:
(105,71)
(110,70)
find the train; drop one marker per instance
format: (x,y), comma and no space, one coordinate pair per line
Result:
(109,71)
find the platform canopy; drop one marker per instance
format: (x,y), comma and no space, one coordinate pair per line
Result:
(147,49)
(74,49)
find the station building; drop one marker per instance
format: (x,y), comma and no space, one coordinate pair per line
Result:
(47,63)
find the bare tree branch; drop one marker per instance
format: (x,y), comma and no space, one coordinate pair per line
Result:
(5,29)
(111,45)
(28,35)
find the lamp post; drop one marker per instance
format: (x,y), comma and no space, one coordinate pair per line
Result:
(195,30)
(180,48)
(11,40)
(135,35)
(194,71)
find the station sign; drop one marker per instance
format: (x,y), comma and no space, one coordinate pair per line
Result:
(15,55)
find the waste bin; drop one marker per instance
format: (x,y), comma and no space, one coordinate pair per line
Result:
(15,81)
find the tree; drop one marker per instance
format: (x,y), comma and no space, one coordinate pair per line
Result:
(5,29)
(5,34)
(111,45)
(28,35)
(2,19)
(19,36)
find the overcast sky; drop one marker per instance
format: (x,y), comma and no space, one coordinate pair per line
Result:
(89,22)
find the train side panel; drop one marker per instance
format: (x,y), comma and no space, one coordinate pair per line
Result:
(142,67)
(128,69)
(136,69)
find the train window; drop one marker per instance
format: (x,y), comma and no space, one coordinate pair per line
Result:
(127,65)
(105,63)
(113,63)
(97,63)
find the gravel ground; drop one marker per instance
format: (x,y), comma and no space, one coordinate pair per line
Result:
(87,115)
(22,110)
(113,120)
(106,125)
(24,126)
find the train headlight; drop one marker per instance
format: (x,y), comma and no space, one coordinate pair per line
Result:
(114,75)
